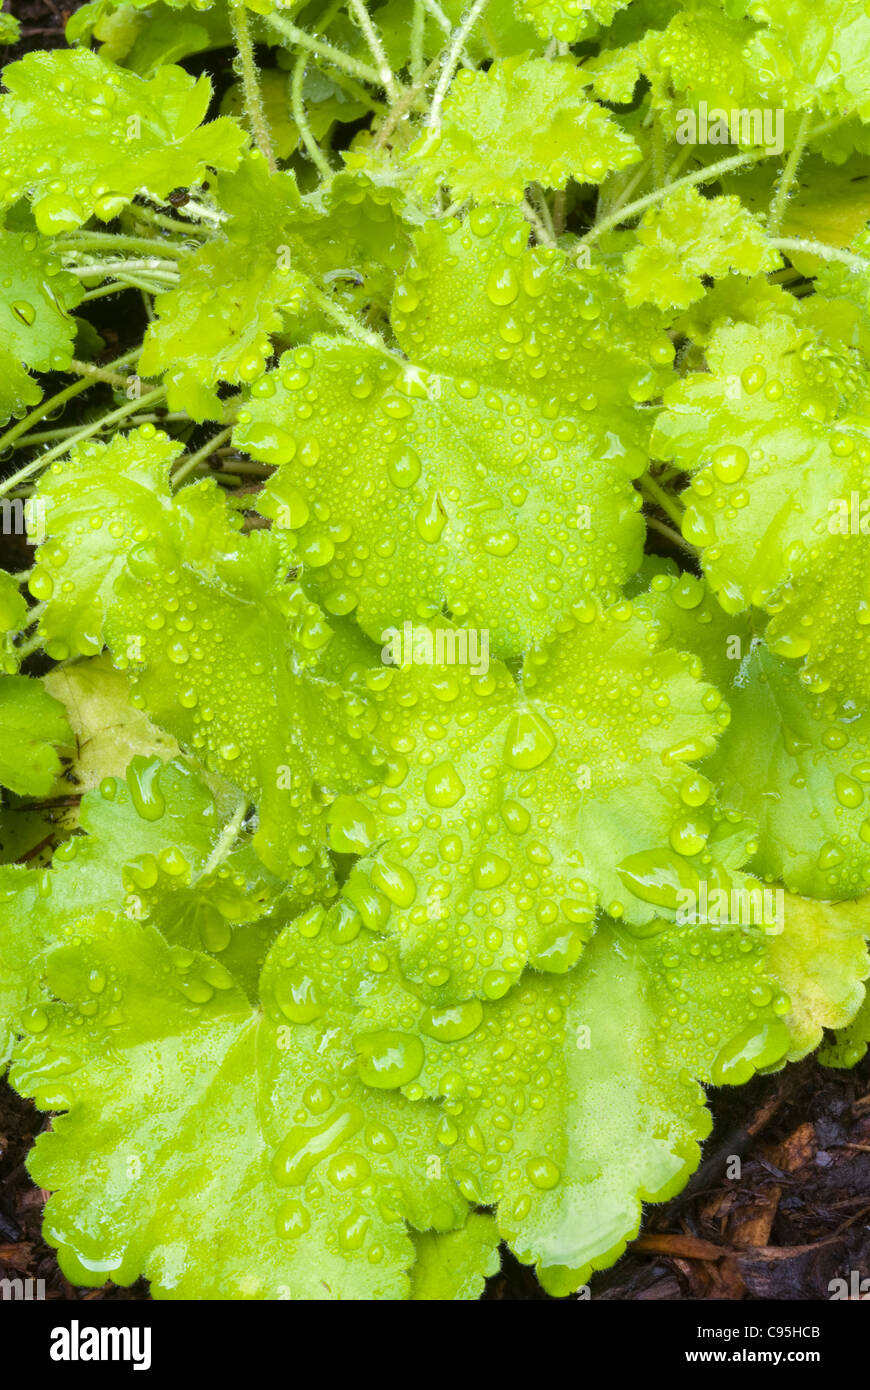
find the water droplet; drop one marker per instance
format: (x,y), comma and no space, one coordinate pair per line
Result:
(388,1059)
(529,740)
(143,781)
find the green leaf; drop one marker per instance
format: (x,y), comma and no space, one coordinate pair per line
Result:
(13,613)
(275,249)
(849,1045)
(796,763)
(775,437)
(574,1098)
(522,121)
(820,962)
(500,459)
(308,1200)
(454,1265)
(113,135)
(700,56)
(567,20)
(108,730)
(99,502)
(813,53)
(686,237)
(144,42)
(507,811)
(9,29)
(201,339)
(157,820)
(221,652)
(37,331)
(32,727)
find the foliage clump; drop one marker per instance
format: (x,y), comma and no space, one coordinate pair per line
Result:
(434,722)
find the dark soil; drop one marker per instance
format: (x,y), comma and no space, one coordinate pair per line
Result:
(796,1217)
(42,23)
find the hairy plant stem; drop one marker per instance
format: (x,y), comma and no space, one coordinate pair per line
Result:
(351,325)
(543,234)
(116,241)
(658,153)
(165,271)
(247,69)
(60,398)
(708,174)
(543,208)
(39,464)
(452,57)
(50,436)
(418,26)
(190,462)
(115,287)
(168,224)
(364,22)
(655,493)
(825,253)
(404,105)
(300,116)
(672,535)
(787,177)
(559,206)
(321,49)
(227,838)
(98,373)
(28,647)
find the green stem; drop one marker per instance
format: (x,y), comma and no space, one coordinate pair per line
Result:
(117,241)
(452,58)
(164,270)
(440,18)
(247,69)
(658,152)
(544,237)
(190,462)
(351,325)
(322,49)
(418,25)
(818,248)
(201,210)
(787,178)
(608,205)
(404,104)
(678,163)
(672,535)
(59,399)
(38,464)
(364,21)
(705,175)
(544,210)
(113,287)
(98,373)
(49,436)
(168,224)
(300,116)
(651,489)
(228,836)
(27,648)
(139,282)
(559,206)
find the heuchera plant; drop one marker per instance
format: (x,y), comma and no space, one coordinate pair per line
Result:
(392,851)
